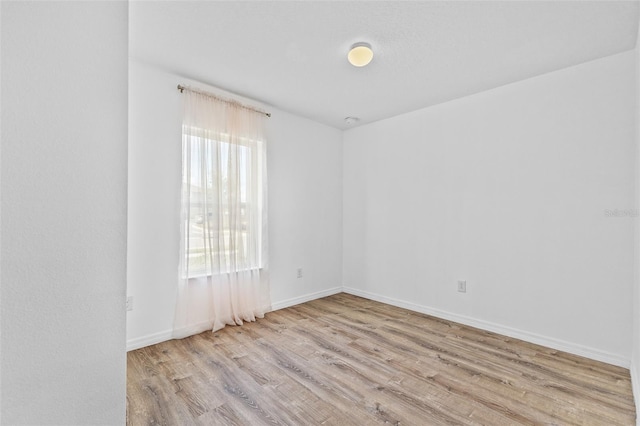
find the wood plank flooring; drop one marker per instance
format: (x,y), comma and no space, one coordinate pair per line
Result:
(345,360)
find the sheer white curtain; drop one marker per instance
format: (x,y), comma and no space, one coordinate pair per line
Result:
(224,277)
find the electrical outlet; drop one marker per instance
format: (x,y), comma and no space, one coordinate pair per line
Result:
(130,303)
(462,286)
(299,272)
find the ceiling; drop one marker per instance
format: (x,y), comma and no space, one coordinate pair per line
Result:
(292,55)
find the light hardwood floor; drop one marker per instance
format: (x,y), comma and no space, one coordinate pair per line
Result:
(344,360)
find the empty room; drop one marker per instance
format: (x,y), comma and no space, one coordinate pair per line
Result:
(320,212)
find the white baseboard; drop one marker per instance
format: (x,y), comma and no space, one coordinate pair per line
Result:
(549,342)
(148,340)
(305,298)
(163,336)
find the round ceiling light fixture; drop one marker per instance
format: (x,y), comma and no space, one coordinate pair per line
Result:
(360,54)
(351,120)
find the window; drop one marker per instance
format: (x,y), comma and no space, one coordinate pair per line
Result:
(222,183)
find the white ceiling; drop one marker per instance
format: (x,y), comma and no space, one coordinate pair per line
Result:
(292,55)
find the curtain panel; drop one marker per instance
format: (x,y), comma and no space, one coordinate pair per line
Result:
(224,275)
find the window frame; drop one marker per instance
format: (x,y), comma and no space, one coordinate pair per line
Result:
(255,152)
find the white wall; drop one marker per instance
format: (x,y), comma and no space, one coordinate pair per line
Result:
(305,204)
(506,189)
(64,171)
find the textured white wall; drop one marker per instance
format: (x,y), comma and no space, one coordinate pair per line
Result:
(305,204)
(64,154)
(506,189)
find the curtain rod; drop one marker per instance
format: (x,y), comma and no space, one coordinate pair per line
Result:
(182,88)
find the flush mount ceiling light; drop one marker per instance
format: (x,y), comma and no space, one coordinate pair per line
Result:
(360,54)
(351,120)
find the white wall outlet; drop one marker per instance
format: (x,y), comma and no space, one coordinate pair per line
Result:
(462,286)
(299,272)
(130,303)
